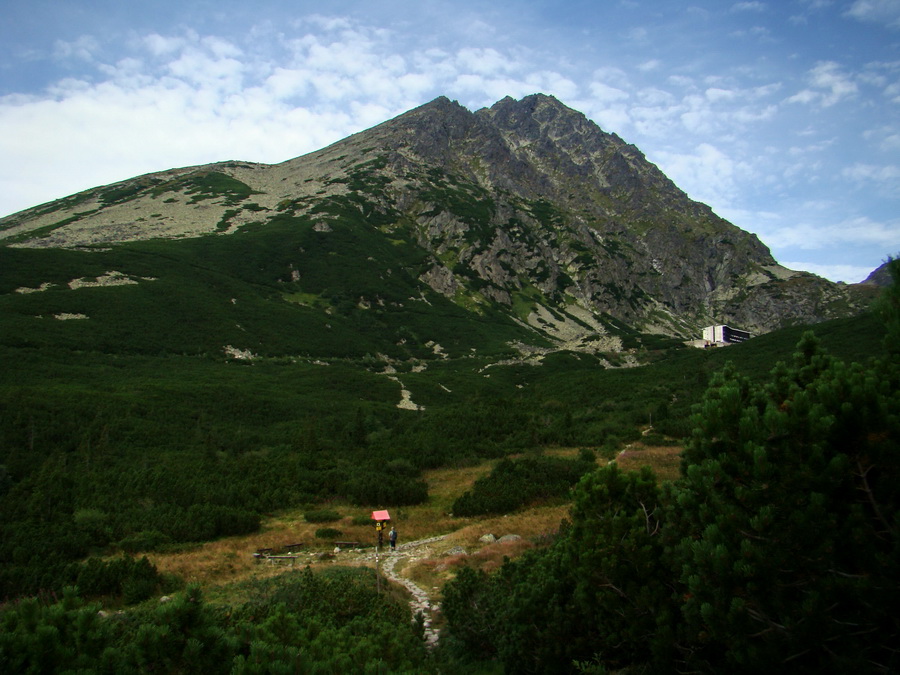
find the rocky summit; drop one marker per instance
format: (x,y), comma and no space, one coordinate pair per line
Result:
(526,207)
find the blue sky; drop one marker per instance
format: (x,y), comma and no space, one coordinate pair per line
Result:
(783,115)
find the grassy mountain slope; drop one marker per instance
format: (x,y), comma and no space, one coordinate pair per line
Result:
(188,350)
(526,208)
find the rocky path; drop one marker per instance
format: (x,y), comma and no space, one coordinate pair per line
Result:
(420,602)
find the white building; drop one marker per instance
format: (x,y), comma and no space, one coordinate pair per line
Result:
(714,336)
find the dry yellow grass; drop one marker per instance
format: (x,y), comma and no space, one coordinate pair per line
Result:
(664,460)
(222,562)
(231,559)
(534,524)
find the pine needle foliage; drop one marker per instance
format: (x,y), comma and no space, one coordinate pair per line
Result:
(778,548)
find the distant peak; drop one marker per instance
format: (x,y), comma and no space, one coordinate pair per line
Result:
(542,98)
(442,102)
(438,106)
(531,101)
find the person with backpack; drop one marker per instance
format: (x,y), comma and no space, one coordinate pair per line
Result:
(393,538)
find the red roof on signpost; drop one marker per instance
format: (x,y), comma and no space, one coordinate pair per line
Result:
(381,515)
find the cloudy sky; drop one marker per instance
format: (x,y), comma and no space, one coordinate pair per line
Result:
(783,115)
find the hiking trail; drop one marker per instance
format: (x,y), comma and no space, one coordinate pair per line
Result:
(421,602)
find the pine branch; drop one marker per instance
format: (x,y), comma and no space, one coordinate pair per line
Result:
(864,475)
(647,519)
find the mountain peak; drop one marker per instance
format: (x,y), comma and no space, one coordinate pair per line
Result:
(526,205)
(881,276)
(529,106)
(440,103)
(531,101)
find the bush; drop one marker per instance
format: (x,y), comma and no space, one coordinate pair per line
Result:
(146,540)
(321,516)
(134,580)
(385,489)
(140,583)
(513,484)
(328,533)
(658,439)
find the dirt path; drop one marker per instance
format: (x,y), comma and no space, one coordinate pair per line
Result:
(420,602)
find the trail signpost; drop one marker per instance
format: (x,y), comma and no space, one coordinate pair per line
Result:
(381,519)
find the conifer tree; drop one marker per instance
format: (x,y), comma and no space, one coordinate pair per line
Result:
(613,554)
(783,531)
(597,593)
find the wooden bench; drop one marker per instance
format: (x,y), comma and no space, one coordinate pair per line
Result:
(272,554)
(347,544)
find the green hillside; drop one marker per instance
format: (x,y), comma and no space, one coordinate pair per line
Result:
(200,355)
(197,295)
(133,424)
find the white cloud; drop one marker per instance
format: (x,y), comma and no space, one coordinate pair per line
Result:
(296,93)
(885,178)
(828,86)
(680,80)
(614,118)
(611,76)
(885,12)
(812,6)
(84,48)
(652,96)
(141,112)
(707,174)
(765,90)
(487,90)
(748,7)
(857,231)
(484,61)
(715,94)
(718,111)
(639,34)
(160,45)
(606,94)
(891,143)
(851,274)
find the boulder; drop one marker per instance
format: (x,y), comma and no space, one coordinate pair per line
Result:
(509,537)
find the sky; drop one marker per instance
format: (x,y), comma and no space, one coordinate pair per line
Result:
(782,115)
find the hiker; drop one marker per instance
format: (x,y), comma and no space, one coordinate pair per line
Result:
(393,537)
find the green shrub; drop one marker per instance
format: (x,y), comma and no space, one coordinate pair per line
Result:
(134,580)
(141,582)
(328,533)
(321,516)
(513,484)
(145,540)
(657,439)
(376,487)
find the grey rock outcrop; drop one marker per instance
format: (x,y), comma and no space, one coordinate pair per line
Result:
(526,205)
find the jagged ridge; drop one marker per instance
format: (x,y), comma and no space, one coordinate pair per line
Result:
(526,205)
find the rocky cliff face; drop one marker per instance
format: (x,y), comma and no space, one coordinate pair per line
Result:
(526,204)
(880,277)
